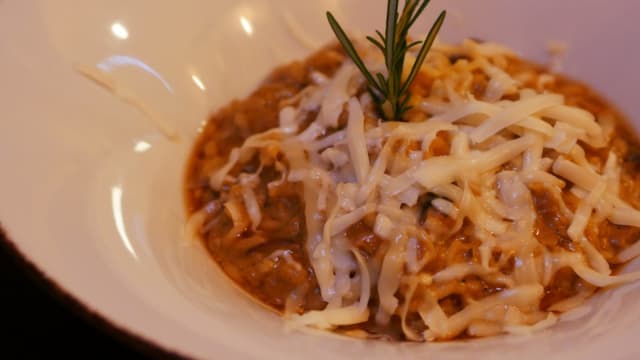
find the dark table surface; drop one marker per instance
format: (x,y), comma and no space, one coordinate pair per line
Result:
(36,322)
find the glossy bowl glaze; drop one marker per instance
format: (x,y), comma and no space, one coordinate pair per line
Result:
(92,191)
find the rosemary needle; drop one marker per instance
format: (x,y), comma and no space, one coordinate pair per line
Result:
(391,93)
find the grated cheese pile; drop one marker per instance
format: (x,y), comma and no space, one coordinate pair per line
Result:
(367,168)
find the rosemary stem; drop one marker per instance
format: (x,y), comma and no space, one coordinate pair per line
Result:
(392,94)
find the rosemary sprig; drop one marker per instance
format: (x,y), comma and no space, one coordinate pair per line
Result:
(391,93)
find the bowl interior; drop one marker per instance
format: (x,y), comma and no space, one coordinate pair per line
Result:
(95,193)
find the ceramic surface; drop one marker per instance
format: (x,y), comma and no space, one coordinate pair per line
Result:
(91,190)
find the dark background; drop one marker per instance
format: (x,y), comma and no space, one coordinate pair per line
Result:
(37,319)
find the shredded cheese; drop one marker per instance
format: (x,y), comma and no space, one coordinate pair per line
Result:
(476,158)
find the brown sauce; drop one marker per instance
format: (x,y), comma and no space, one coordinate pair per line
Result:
(246,255)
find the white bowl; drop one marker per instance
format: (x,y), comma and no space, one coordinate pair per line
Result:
(91,191)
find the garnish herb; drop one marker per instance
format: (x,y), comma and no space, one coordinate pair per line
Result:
(391,93)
